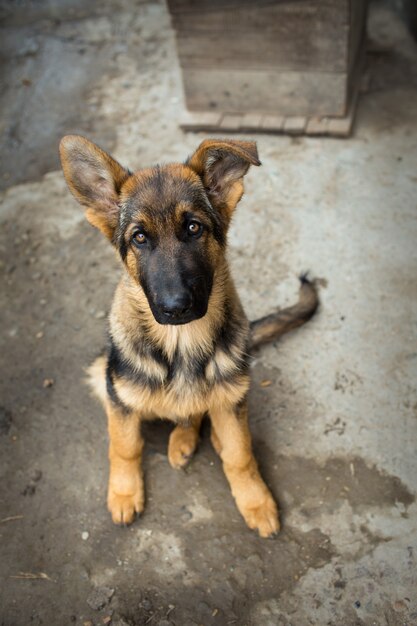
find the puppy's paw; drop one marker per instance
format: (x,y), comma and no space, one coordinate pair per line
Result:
(263,518)
(181,447)
(123,508)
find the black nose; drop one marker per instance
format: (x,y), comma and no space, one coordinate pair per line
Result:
(177,305)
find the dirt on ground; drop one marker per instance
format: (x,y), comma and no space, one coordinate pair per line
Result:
(108,70)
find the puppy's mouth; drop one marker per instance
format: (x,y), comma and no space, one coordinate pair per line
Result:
(176,321)
(178,318)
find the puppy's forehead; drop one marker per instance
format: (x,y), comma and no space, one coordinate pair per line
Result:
(160,189)
(156,198)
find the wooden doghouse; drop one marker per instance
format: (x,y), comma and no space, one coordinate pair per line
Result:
(270,65)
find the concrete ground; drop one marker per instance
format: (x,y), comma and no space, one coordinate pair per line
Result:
(334,426)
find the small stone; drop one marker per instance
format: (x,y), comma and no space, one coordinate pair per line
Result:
(100,315)
(85,535)
(48,382)
(107,619)
(39,335)
(147,605)
(266,383)
(399,606)
(99,597)
(29,490)
(36,475)
(203,607)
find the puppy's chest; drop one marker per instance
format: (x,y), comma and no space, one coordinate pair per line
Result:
(183,373)
(184,384)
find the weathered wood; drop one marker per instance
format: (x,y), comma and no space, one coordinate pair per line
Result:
(206,6)
(357,28)
(264,50)
(200,121)
(317,126)
(250,121)
(231,122)
(268,18)
(286,93)
(276,124)
(270,58)
(340,127)
(272,122)
(295,125)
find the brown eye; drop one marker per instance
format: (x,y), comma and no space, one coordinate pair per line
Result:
(138,238)
(195,229)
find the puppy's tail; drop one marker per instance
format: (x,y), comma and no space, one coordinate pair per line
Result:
(272,326)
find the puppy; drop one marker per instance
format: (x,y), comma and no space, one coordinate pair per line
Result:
(179,338)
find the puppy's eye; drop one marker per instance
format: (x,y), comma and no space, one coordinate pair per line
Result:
(195,229)
(138,238)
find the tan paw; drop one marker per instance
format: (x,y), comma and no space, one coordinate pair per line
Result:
(123,509)
(181,447)
(263,518)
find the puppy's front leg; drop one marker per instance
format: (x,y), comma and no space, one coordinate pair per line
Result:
(232,441)
(125,493)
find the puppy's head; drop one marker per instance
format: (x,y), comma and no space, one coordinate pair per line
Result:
(169,223)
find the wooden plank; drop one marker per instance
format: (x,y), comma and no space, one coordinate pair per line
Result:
(270,18)
(204,120)
(250,121)
(340,126)
(279,93)
(273,122)
(262,50)
(317,126)
(295,125)
(357,26)
(235,6)
(231,122)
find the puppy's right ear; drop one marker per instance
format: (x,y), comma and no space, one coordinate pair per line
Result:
(95,179)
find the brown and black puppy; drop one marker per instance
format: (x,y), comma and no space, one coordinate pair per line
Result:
(179,338)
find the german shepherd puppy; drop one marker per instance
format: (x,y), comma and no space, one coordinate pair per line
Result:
(179,338)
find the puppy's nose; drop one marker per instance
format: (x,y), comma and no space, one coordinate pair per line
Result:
(177,304)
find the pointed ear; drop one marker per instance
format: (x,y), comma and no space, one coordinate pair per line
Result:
(95,179)
(222,164)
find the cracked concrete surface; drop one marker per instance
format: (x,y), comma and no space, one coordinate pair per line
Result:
(335,424)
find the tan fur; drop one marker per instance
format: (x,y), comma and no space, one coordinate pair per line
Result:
(179,372)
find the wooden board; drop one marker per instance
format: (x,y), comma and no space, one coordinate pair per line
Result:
(265,18)
(279,49)
(271,124)
(241,91)
(207,6)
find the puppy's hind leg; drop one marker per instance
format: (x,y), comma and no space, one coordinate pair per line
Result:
(183,442)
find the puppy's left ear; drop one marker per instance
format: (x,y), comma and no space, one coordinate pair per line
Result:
(95,179)
(222,164)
